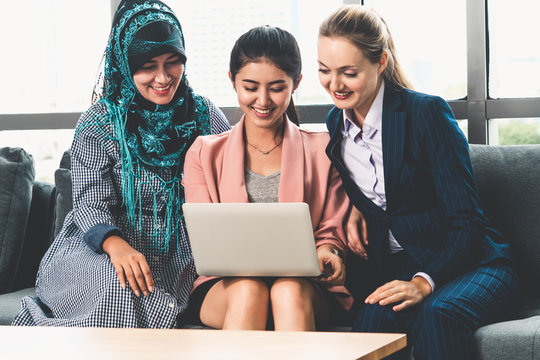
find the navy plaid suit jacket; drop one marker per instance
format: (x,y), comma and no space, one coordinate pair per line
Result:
(433,208)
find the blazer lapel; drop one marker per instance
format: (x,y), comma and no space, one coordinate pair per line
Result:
(232,183)
(393,139)
(291,183)
(334,123)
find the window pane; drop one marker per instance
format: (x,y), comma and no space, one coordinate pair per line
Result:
(463,125)
(46,147)
(430,38)
(54,49)
(514,48)
(212,26)
(514,131)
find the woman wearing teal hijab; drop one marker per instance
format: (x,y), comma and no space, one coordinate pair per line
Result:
(123,258)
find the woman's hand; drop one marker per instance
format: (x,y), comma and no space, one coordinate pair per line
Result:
(130,265)
(331,264)
(406,293)
(357,232)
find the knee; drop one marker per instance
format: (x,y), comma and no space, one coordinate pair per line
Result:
(246,292)
(377,318)
(294,292)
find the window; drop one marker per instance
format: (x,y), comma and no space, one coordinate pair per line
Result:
(52,51)
(431,43)
(45,146)
(515,131)
(514,49)
(211,28)
(51,64)
(482,56)
(514,72)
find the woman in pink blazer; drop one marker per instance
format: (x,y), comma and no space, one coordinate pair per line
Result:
(268,158)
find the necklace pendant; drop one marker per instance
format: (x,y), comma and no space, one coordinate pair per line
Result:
(265,152)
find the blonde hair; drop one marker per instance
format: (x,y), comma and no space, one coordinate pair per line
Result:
(368,31)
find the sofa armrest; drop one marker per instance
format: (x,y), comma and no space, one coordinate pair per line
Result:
(516,339)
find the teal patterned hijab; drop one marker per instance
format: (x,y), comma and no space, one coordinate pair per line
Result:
(152,139)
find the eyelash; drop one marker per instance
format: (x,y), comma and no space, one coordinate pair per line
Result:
(170,63)
(326,72)
(272,90)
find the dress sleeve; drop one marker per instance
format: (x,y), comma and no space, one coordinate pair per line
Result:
(94,192)
(218,121)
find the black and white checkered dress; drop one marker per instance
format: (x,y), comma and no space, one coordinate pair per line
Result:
(79,287)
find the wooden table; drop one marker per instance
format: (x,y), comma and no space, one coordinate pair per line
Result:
(99,343)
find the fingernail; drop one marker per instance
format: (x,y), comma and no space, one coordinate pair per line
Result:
(137,293)
(151,289)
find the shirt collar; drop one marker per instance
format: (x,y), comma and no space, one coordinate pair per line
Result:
(372,122)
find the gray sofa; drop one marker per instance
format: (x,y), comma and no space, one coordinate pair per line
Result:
(507,178)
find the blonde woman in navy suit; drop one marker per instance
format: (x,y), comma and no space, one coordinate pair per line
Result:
(426,261)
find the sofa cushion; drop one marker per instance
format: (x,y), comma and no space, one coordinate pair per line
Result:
(507,179)
(64,197)
(11,304)
(17,177)
(38,233)
(516,340)
(530,307)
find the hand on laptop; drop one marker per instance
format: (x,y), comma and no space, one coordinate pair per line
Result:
(331,265)
(130,265)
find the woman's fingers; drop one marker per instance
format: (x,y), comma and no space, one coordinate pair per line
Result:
(382,292)
(357,233)
(148,279)
(340,270)
(363,227)
(120,273)
(355,243)
(333,269)
(402,293)
(130,265)
(141,274)
(332,265)
(403,305)
(131,279)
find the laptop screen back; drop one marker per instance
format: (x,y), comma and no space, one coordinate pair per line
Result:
(252,239)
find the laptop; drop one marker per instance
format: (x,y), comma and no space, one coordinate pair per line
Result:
(252,239)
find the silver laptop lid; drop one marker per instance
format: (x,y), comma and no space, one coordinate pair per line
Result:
(252,239)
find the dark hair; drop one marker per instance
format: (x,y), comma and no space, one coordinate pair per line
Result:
(273,44)
(368,31)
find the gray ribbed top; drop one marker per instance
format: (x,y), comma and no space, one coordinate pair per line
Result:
(262,189)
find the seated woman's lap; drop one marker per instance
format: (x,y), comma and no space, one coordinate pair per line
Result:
(257,297)
(483,295)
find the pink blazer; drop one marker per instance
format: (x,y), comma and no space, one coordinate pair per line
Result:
(214,172)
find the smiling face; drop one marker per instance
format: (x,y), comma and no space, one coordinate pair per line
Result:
(348,76)
(264,92)
(158,79)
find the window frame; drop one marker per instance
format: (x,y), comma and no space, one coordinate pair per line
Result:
(477,107)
